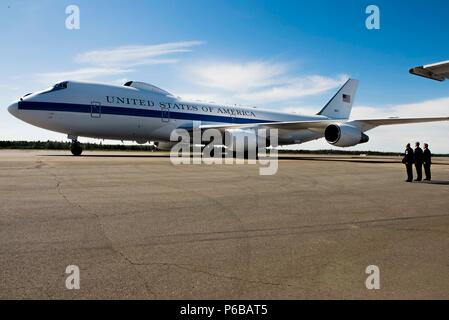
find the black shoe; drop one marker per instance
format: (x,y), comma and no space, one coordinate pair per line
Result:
(408,180)
(418,180)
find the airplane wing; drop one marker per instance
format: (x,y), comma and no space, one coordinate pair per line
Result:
(286,125)
(366,125)
(363,125)
(437,71)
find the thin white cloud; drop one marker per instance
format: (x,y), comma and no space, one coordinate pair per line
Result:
(297,88)
(129,56)
(239,77)
(428,108)
(8,87)
(257,82)
(81,74)
(119,61)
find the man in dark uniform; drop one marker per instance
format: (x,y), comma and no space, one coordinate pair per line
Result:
(427,162)
(408,160)
(419,159)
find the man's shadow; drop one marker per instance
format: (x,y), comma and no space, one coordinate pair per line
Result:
(438,182)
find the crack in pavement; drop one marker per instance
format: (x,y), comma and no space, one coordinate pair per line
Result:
(98,220)
(183,266)
(229,212)
(264,232)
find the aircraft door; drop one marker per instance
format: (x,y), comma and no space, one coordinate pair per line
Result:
(165,114)
(95,109)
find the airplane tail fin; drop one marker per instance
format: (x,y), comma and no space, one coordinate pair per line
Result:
(340,106)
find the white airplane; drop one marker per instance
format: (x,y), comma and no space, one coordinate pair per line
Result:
(142,112)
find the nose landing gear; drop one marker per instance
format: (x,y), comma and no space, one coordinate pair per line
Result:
(75,147)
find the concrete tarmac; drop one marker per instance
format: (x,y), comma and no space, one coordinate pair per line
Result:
(139,227)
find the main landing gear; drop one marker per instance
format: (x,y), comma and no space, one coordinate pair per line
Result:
(75,147)
(246,155)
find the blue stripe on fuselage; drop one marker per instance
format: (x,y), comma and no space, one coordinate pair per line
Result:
(124,111)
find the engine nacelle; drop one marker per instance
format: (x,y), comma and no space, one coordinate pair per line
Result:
(243,140)
(240,139)
(164,146)
(141,141)
(343,135)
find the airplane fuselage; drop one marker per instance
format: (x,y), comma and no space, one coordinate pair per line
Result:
(138,112)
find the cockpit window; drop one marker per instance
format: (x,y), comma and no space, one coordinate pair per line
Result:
(56,87)
(59,86)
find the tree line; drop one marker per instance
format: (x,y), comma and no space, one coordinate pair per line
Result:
(58,145)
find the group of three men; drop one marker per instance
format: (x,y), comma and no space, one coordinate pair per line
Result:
(418,157)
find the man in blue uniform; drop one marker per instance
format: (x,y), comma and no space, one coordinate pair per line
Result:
(408,160)
(427,162)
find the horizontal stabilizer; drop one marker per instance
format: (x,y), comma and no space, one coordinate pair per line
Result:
(437,71)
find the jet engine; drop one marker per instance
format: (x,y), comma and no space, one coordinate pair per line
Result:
(240,140)
(164,146)
(343,135)
(248,138)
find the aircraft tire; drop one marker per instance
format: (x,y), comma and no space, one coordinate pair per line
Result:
(76,150)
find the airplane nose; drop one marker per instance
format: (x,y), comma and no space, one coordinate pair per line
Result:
(14,109)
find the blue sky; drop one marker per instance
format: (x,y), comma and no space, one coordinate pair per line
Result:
(283,55)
